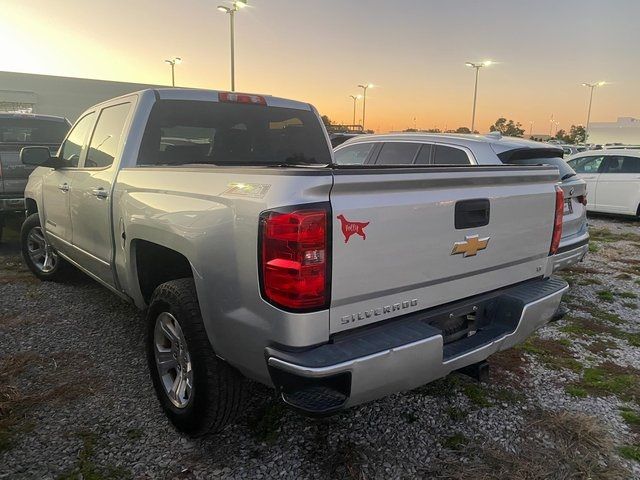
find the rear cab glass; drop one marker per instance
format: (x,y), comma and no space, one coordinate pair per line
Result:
(181,132)
(32,130)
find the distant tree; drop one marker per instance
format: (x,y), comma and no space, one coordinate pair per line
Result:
(577,134)
(507,127)
(326,120)
(562,135)
(410,130)
(463,130)
(433,130)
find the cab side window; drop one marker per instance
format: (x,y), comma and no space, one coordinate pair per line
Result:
(71,149)
(353,154)
(106,136)
(586,164)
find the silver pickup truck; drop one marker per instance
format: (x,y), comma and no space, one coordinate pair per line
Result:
(223,216)
(18,130)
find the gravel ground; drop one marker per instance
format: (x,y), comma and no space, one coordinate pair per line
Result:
(76,400)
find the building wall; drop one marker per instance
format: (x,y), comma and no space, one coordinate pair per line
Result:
(624,130)
(62,96)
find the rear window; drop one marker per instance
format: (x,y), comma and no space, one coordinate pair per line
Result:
(32,130)
(183,132)
(565,170)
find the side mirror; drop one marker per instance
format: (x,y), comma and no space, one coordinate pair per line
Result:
(39,157)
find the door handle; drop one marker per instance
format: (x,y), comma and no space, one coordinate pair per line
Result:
(63,187)
(99,192)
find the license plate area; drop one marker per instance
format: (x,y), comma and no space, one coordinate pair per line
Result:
(568,207)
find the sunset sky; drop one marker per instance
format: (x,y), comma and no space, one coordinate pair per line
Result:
(414,51)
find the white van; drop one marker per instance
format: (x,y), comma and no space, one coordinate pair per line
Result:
(613,180)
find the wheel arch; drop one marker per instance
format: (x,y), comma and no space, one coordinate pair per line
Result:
(155,264)
(31,206)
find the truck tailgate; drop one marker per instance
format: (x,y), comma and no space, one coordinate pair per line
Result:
(394,236)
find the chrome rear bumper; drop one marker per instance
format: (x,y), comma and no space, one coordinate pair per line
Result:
(407,353)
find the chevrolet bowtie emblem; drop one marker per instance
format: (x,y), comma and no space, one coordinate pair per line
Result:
(470,246)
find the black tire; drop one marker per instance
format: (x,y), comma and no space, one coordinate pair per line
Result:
(58,266)
(218,391)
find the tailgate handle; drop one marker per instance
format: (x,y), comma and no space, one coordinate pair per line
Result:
(472,213)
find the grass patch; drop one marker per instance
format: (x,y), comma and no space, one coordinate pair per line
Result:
(607,236)
(611,379)
(576,391)
(455,442)
(605,295)
(456,414)
(265,425)
(134,434)
(624,276)
(596,312)
(552,353)
(630,452)
(347,461)
(593,247)
(52,379)
(589,281)
(602,347)
(476,394)
(85,467)
(558,445)
(627,295)
(630,305)
(631,418)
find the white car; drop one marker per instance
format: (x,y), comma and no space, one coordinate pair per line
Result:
(613,180)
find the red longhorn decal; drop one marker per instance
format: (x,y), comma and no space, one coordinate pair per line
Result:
(352,228)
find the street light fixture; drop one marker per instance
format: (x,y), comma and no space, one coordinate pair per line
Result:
(235,6)
(591,86)
(173,62)
(355,99)
(364,88)
(477,66)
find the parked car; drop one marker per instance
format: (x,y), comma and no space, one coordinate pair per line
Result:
(491,149)
(223,216)
(613,180)
(16,131)
(572,149)
(340,138)
(622,147)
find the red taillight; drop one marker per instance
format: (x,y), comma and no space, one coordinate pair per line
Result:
(582,199)
(557,222)
(230,97)
(294,258)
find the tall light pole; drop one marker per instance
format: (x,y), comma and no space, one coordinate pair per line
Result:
(364,88)
(235,6)
(592,87)
(173,63)
(531,129)
(477,66)
(355,100)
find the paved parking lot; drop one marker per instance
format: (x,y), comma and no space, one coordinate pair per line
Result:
(76,400)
